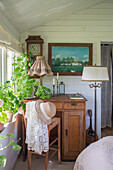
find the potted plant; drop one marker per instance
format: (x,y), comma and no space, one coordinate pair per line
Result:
(24,85)
(43,92)
(13,92)
(3,116)
(3,120)
(10,101)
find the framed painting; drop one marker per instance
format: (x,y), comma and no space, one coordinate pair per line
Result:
(69,58)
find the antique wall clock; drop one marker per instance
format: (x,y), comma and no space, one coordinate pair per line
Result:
(34,45)
(34,48)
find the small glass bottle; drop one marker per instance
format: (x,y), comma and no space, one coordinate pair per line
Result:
(61,88)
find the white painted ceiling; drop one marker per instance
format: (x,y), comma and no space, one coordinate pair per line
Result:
(27,14)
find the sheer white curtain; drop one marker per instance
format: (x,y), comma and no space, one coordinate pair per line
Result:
(10,55)
(3,65)
(106,90)
(6,60)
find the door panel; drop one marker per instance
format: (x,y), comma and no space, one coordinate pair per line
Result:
(72,135)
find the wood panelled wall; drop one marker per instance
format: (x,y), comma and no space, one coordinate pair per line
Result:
(93,25)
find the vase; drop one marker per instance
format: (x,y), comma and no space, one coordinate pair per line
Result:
(9,116)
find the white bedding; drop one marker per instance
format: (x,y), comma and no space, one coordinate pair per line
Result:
(97,156)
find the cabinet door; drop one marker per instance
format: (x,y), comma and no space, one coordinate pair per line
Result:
(72,134)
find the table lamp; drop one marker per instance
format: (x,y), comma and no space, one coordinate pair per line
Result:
(96,75)
(40,68)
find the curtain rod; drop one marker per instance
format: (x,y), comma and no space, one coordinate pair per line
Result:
(4,45)
(106,44)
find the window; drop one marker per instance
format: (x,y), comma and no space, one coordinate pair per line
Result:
(10,55)
(10,68)
(6,60)
(2,64)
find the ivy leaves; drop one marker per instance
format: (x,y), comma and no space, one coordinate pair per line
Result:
(43,92)
(3,118)
(11,144)
(3,160)
(20,79)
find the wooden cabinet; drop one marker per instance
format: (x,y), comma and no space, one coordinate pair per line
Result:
(73,120)
(72,134)
(73,125)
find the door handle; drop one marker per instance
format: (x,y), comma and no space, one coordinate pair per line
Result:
(66,132)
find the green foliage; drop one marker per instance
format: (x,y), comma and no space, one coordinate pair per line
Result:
(10,135)
(9,98)
(3,118)
(36,83)
(23,84)
(13,92)
(16,147)
(3,160)
(11,144)
(2,137)
(43,92)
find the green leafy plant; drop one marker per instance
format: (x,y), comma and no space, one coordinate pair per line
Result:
(22,82)
(11,144)
(3,118)
(43,92)
(13,92)
(10,100)
(36,83)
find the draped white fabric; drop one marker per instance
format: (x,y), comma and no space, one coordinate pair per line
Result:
(37,131)
(97,156)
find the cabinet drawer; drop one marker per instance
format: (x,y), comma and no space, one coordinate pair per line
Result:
(58,105)
(74,105)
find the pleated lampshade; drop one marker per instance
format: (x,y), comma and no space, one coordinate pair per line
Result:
(40,68)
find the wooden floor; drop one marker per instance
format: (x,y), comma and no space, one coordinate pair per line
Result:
(38,163)
(107,131)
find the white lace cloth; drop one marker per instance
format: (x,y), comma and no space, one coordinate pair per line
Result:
(97,156)
(37,131)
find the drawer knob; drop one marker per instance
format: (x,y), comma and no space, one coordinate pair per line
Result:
(74,104)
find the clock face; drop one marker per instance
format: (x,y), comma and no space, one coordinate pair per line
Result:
(34,49)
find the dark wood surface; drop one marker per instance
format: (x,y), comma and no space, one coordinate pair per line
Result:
(73,125)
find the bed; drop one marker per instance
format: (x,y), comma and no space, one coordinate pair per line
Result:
(97,156)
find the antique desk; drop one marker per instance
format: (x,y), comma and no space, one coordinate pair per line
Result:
(73,125)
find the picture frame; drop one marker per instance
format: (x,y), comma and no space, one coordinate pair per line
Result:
(69,58)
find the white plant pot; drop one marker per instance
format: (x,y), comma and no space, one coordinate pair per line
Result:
(10,115)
